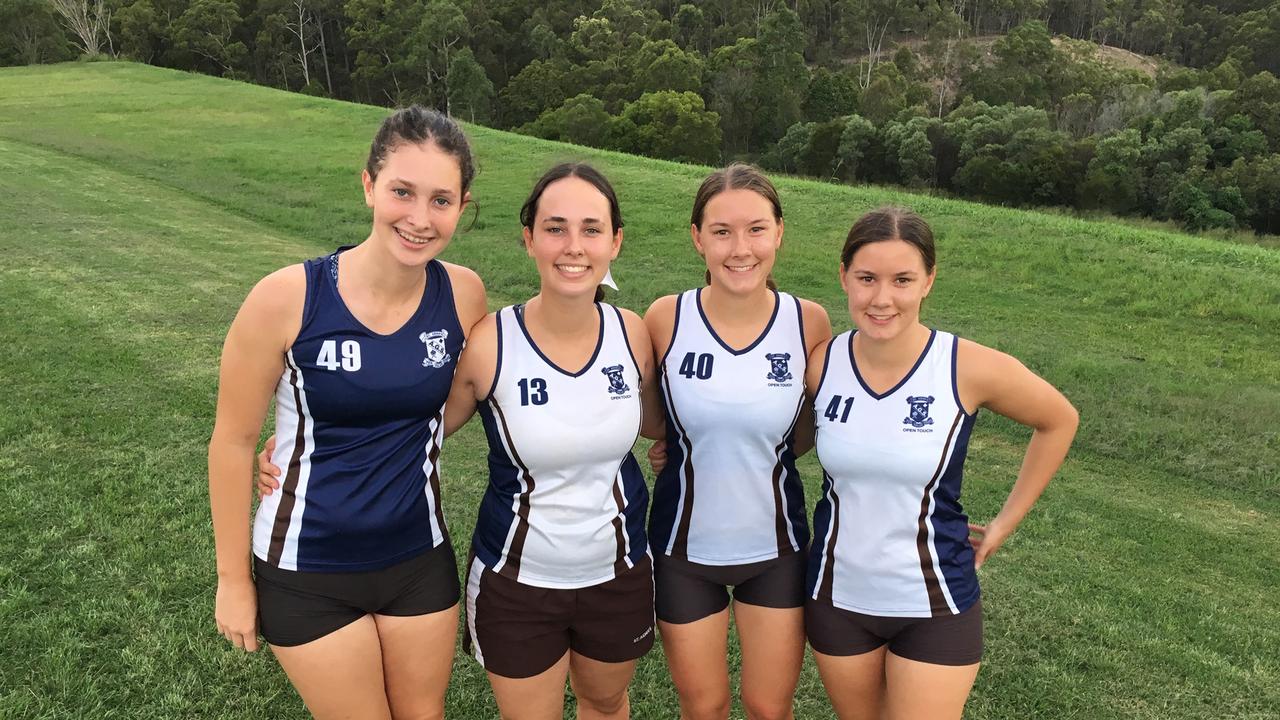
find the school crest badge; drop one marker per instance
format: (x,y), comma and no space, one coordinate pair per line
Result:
(617,385)
(918,416)
(437,353)
(778,370)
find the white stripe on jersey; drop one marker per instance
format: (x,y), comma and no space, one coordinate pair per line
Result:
(526,487)
(290,412)
(688,453)
(435,441)
(473,593)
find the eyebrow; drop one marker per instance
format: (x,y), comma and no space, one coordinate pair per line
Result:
(757,221)
(900,273)
(585,221)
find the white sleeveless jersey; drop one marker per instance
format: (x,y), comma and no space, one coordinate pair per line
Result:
(566,500)
(890,537)
(730,493)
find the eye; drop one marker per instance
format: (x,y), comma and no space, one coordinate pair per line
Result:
(442,202)
(720,231)
(400,192)
(592,231)
(553,229)
(903,281)
(866,279)
(758,229)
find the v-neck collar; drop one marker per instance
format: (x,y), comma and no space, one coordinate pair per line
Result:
(880,396)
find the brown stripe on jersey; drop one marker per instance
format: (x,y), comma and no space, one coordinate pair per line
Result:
(620,564)
(284,511)
(511,568)
(780,520)
(829,574)
(680,548)
(937,601)
(434,459)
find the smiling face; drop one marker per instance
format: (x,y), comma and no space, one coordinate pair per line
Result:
(572,238)
(739,238)
(416,198)
(886,282)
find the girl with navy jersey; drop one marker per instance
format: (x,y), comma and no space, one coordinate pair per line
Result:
(728,507)
(894,615)
(354,584)
(560,583)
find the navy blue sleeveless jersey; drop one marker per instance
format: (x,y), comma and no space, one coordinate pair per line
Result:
(359,426)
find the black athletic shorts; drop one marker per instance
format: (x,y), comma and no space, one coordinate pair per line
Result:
(942,640)
(517,630)
(688,591)
(295,607)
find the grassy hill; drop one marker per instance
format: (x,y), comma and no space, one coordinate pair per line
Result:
(138,205)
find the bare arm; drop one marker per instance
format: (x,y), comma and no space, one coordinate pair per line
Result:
(659,323)
(991,379)
(474,375)
(817,332)
(252,362)
(653,422)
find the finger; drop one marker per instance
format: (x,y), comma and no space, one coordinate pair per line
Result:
(270,447)
(251,642)
(974,527)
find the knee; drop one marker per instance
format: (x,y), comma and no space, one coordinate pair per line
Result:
(607,705)
(766,708)
(704,706)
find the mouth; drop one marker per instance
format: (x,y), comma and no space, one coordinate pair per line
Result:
(741,268)
(572,270)
(881,319)
(418,240)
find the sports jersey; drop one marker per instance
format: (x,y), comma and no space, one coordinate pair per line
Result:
(730,493)
(890,537)
(359,424)
(566,499)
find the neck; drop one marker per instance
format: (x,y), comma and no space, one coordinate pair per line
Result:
(736,308)
(562,316)
(379,273)
(894,352)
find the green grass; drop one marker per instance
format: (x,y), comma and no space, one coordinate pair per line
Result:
(138,205)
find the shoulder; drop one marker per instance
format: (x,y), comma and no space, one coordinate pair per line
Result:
(664,308)
(468,294)
(817,323)
(813,311)
(632,323)
(281,291)
(980,366)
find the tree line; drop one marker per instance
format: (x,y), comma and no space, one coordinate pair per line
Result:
(1007,101)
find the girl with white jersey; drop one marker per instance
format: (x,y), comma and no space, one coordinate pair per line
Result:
(354,583)
(728,506)
(893,614)
(561,580)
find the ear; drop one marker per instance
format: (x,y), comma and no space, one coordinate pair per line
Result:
(697,242)
(928,282)
(844,284)
(528,241)
(466,200)
(368,187)
(777,243)
(617,244)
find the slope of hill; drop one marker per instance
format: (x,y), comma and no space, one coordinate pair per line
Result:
(138,205)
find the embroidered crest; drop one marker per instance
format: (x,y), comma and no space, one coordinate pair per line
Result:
(437,353)
(617,385)
(778,370)
(919,413)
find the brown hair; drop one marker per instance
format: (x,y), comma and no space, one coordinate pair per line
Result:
(737,176)
(891,223)
(529,211)
(417,125)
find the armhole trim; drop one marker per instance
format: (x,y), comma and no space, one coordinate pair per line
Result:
(626,340)
(675,327)
(497,369)
(955,383)
(800,319)
(826,364)
(447,292)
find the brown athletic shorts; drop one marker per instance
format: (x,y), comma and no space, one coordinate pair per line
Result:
(942,640)
(517,630)
(689,591)
(296,607)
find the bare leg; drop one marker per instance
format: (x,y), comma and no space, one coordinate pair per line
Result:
(772,642)
(540,697)
(601,687)
(855,683)
(417,657)
(697,656)
(339,676)
(924,690)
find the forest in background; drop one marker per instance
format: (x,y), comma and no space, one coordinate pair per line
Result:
(1161,108)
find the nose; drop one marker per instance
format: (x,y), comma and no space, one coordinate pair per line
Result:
(420,214)
(880,297)
(740,245)
(573,243)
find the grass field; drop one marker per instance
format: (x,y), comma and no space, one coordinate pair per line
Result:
(138,205)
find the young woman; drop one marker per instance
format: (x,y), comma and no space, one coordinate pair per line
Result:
(728,507)
(354,583)
(560,583)
(893,614)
